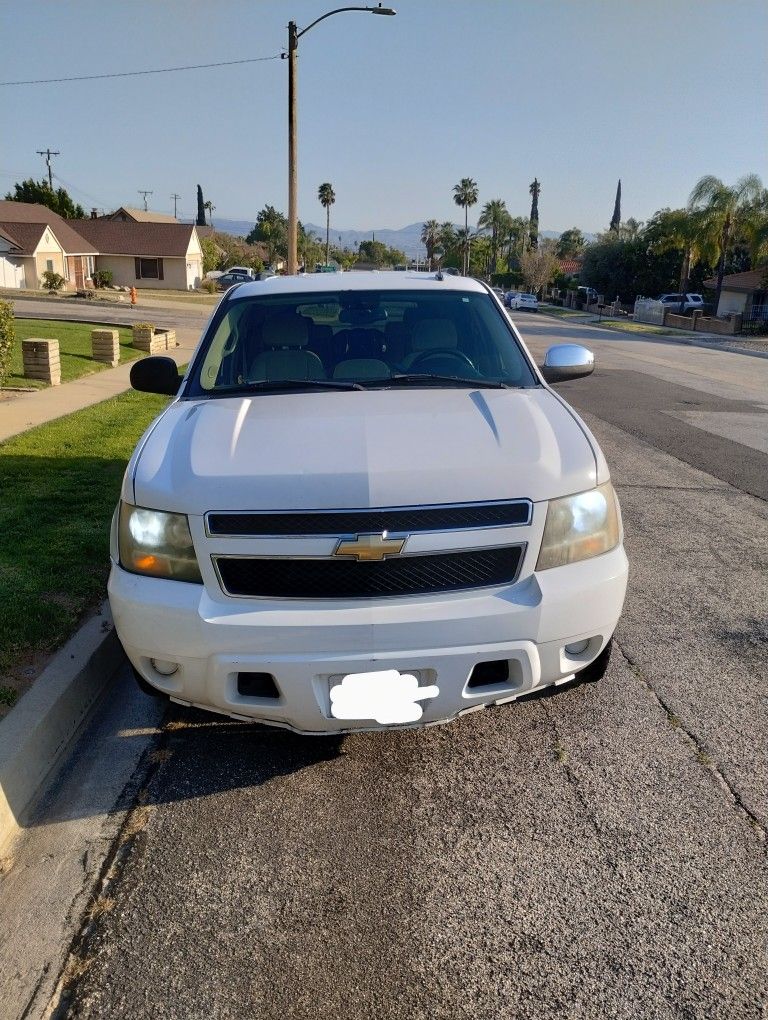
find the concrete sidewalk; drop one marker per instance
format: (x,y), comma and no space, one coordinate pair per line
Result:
(22,411)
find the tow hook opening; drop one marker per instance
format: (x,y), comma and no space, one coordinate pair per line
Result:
(495,675)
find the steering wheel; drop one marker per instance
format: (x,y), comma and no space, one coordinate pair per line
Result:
(443,352)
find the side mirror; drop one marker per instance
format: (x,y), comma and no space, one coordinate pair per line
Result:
(156,375)
(567,361)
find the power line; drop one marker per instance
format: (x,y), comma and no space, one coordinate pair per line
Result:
(145,193)
(134,74)
(175,198)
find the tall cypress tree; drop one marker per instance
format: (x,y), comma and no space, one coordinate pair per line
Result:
(200,221)
(533,230)
(616,218)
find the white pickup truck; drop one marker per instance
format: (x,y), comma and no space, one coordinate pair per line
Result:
(365,507)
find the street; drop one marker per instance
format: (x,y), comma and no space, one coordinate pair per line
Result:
(599,852)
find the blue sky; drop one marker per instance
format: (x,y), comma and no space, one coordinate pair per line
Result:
(392,111)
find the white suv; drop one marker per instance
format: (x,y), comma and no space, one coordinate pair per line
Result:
(690,302)
(364,507)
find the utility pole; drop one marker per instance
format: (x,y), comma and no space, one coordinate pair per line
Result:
(144,193)
(47,153)
(175,198)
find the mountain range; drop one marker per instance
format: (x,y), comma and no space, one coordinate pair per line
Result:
(406,239)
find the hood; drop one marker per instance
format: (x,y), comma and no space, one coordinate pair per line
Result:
(358,449)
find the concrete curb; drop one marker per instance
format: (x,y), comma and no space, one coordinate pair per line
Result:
(37,732)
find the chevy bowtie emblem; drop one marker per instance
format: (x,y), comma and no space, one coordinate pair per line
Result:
(370,547)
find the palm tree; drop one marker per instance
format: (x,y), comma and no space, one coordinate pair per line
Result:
(756,229)
(515,233)
(430,238)
(684,231)
(723,210)
(465,195)
(494,217)
(327,197)
(211,209)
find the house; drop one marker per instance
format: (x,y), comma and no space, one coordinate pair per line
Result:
(745,293)
(36,240)
(11,269)
(569,267)
(147,255)
(127,214)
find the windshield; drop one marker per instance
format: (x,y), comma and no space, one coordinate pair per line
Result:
(373,338)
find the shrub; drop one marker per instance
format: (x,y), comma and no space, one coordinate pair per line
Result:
(144,325)
(209,286)
(7,338)
(52,281)
(103,278)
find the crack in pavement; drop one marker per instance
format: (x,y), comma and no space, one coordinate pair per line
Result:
(702,754)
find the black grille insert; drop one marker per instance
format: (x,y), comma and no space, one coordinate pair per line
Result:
(352,522)
(342,579)
(257,685)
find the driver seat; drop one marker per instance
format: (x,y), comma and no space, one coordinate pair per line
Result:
(431,335)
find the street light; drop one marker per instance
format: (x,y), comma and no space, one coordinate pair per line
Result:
(293,44)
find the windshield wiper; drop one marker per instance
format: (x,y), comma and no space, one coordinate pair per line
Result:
(276,385)
(408,378)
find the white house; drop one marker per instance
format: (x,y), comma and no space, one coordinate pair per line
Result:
(36,240)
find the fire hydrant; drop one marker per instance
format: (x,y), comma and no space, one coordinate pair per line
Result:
(133,295)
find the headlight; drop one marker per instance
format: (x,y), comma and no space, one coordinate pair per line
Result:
(578,527)
(156,543)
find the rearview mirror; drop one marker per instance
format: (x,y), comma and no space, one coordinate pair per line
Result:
(567,361)
(156,375)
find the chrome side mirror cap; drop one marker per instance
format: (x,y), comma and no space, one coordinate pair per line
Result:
(567,361)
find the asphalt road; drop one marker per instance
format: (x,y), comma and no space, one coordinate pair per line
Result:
(599,853)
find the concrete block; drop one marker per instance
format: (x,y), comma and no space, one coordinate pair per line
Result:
(106,346)
(41,360)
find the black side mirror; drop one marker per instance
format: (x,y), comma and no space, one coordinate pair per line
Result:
(156,375)
(567,361)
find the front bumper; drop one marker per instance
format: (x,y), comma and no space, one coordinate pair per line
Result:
(304,646)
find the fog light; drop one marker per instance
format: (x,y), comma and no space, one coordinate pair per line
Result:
(163,667)
(577,647)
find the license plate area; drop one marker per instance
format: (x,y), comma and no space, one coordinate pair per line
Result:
(383,696)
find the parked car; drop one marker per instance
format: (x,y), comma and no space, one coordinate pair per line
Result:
(229,279)
(243,271)
(526,302)
(499,293)
(587,294)
(690,302)
(364,507)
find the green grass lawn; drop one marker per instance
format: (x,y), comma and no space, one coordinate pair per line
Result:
(562,313)
(192,297)
(74,348)
(628,326)
(59,484)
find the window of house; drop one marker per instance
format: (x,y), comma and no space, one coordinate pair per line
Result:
(149,269)
(49,265)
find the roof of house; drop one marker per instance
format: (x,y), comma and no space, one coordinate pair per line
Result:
(141,215)
(570,265)
(68,236)
(6,236)
(124,237)
(26,235)
(754,279)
